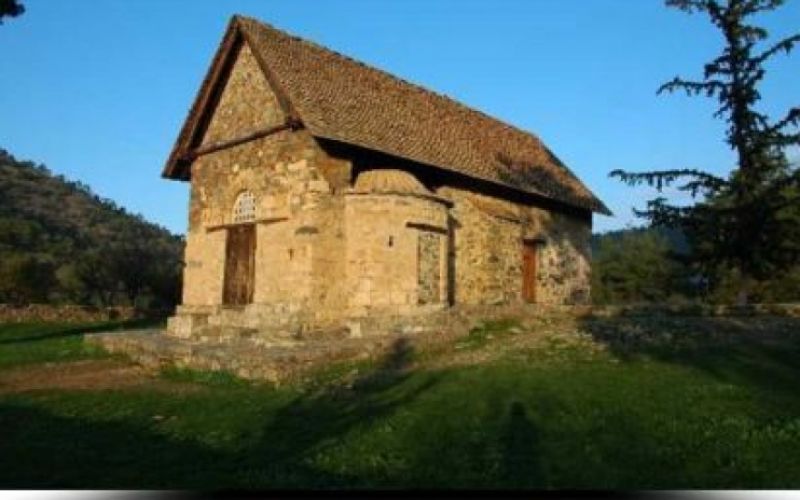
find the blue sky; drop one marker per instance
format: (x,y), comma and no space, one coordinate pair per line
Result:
(97,90)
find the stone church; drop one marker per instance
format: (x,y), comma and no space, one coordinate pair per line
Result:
(325,193)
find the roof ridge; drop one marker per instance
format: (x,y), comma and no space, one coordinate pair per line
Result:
(388,74)
(407,120)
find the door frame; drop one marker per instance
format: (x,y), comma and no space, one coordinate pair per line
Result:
(530,249)
(226,302)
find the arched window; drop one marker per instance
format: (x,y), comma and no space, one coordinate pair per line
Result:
(244,210)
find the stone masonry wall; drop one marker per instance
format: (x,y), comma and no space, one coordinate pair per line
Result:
(564,259)
(247,103)
(382,251)
(13,313)
(487,246)
(295,209)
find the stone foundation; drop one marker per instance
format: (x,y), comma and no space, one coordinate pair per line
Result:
(10,313)
(259,355)
(254,355)
(266,324)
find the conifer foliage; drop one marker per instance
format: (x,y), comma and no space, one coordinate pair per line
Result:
(747,225)
(10,8)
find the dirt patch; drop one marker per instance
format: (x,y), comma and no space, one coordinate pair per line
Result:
(87,375)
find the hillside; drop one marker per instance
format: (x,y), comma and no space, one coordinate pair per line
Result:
(654,265)
(674,238)
(60,242)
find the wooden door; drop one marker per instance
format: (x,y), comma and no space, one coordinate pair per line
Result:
(240,250)
(529,272)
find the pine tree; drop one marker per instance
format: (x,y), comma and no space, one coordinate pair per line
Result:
(747,224)
(10,8)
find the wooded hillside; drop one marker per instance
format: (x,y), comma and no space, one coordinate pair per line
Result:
(653,264)
(60,242)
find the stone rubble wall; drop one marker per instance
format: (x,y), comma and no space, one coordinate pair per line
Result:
(487,247)
(564,270)
(247,103)
(298,232)
(10,313)
(691,309)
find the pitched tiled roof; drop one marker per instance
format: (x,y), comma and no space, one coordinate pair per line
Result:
(344,100)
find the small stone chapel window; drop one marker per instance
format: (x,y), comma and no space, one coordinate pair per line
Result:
(244,210)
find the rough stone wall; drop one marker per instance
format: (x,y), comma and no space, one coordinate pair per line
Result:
(12,313)
(295,211)
(564,259)
(487,240)
(295,208)
(204,255)
(382,250)
(234,115)
(486,263)
(327,241)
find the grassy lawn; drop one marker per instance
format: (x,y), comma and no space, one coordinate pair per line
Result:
(616,403)
(26,343)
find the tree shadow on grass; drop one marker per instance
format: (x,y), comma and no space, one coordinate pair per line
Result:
(48,331)
(312,422)
(760,351)
(39,449)
(541,440)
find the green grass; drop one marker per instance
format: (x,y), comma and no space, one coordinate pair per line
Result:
(212,378)
(488,330)
(708,413)
(28,343)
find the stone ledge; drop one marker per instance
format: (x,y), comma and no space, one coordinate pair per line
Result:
(791,310)
(10,313)
(274,363)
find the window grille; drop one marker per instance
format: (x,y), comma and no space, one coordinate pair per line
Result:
(244,210)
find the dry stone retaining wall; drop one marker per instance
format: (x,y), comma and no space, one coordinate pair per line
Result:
(67,313)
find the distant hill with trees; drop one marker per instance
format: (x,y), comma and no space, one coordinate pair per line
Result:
(673,238)
(62,243)
(653,264)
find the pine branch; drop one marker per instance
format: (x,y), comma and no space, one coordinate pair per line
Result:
(719,66)
(660,179)
(750,7)
(786,45)
(10,8)
(783,140)
(691,6)
(790,181)
(791,118)
(752,34)
(659,213)
(692,87)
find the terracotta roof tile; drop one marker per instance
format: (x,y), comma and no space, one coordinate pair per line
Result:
(341,99)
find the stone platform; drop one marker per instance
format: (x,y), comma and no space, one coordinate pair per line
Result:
(277,362)
(197,341)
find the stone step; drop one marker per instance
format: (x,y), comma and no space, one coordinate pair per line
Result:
(244,357)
